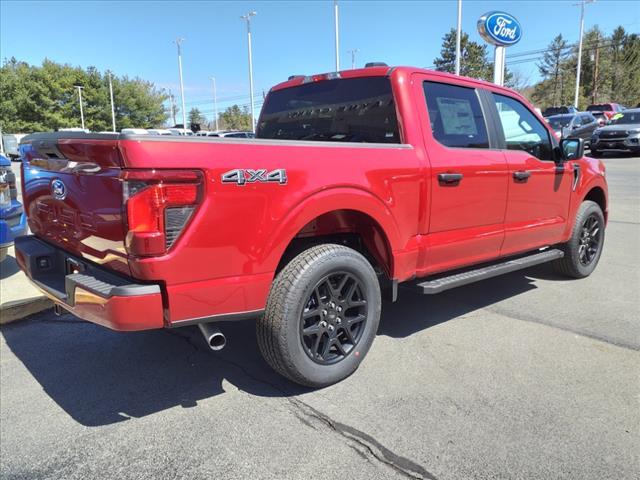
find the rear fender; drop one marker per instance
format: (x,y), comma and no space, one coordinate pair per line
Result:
(326,201)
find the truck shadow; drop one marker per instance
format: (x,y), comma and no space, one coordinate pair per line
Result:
(100,377)
(8,267)
(414,312)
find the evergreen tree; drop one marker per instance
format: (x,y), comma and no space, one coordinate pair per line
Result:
(196,117)
(473,57)
(235,118)
(551,65)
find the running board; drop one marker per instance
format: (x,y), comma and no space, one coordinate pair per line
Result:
(459,279)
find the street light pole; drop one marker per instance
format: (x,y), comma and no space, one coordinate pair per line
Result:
(582,4)
(247,18)
(184,113)
(80,87)
(353,52)
(458,37)
(215,101)
(113,110)
(173,107)
(335,21)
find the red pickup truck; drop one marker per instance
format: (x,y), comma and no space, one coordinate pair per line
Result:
(357,181)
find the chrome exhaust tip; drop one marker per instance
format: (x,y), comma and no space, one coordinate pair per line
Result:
(213,336)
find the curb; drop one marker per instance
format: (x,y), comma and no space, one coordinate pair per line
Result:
(19,309)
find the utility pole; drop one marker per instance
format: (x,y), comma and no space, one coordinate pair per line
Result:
(581,4)
(247,18)
(80,87)
(215,101)
(555,80)
(184,113)
(173,107)
(594,95)
(113,109)
(353,52)
(458,37)
(335,21)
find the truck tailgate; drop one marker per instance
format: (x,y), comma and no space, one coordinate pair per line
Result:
(73,195)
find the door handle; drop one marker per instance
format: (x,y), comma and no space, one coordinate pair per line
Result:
(521,176)
(450,179)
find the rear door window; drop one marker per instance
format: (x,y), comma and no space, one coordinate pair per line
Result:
(339,110)
(522,129)
(455,116)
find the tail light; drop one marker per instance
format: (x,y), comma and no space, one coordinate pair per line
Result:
(159,205)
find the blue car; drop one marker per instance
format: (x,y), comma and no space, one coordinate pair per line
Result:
(13,221)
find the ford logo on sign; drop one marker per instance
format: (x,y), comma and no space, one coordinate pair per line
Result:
(58,189)
(500,28)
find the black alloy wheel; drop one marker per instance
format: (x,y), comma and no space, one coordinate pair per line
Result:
(583,249)
(333,318)
(589,240)
(322,315)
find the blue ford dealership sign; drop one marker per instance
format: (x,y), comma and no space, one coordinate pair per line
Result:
(500,28)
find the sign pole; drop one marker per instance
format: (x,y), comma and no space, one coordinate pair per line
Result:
(498,65)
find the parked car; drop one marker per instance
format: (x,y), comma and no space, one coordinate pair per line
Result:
(622,135)
(547,112)
(13,221)
(357,181)
(158,131)
(232,134)
(184,132)
(10,142)
(604,111)
(575,125)
(134,131)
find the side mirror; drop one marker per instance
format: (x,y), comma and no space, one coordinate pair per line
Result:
(572,148)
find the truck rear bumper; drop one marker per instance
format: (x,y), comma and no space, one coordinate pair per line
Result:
(87,290)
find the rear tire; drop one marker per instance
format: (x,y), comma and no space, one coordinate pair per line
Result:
(321,317)
(582,251)
(595,153)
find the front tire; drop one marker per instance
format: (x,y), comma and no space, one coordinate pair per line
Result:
(321,317)
(582,251)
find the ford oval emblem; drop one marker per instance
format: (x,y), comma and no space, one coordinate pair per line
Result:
(500,28)
(58,189)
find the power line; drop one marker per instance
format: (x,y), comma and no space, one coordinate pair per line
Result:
(568,47)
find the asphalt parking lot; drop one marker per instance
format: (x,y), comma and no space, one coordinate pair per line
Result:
(526,376)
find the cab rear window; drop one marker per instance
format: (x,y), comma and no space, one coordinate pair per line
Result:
(343,110)
(603,107)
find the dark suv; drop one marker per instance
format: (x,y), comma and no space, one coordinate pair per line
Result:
(579,125)
(622,135)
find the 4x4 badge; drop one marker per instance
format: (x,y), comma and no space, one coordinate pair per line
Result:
(244,176)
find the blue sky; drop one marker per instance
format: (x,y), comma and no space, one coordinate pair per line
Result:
(290,37)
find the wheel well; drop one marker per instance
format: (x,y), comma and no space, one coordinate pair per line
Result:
(596,194)
(354,229)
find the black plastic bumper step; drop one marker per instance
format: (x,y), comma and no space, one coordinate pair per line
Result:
(459,279)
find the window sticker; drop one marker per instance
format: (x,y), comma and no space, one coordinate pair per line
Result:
(457,116)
